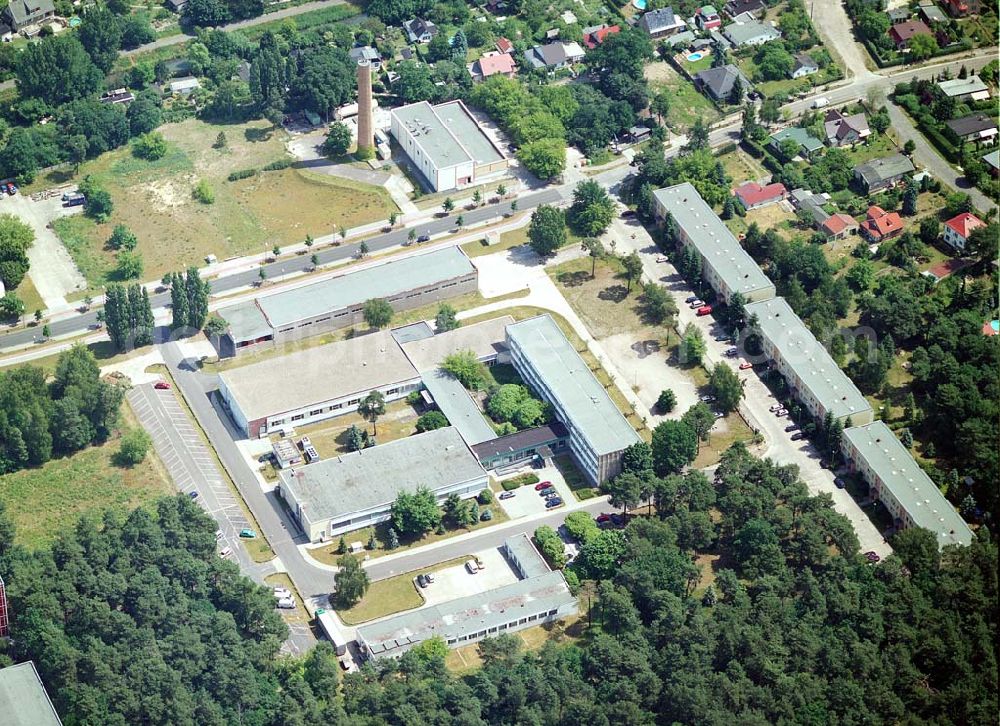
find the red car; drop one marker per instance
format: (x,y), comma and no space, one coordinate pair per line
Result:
(161,386)
(602,518)
(744,364)
(542,485)
(705,310)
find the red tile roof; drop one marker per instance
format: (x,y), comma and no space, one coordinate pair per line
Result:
(504,46)
(964,223)
(837,223)
(492,64)
(592,40)
(752,193)
(880,224)
(948,267)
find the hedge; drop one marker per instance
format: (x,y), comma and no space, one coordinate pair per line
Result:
(526,479)
(242,174)
(278,165)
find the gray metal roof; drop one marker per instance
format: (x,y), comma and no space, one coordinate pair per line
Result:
(963,86)
(653,21)
(528,438)
(530,561)
(458,407)
(467,615)
(412,332)
(371,478)
(909,484)
(712,239)
(798,347)
(246,321)
(447,133)
(720,81)
(314,375)
(743,33)
(354,288)
(571,384)
(993,159)
(485,339)
(23,699)
(23,11)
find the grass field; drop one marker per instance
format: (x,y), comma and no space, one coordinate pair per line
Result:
(250,215)
(742,167)
(713,449)
(465,660)
(603,302)
(390,596)
(104,352)
(686,103)
(29,296)
(49,500)
(329,437)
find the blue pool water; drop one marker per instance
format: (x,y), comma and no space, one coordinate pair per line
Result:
(639,4)
(696,56)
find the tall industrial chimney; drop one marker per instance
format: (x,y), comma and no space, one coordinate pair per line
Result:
(366,133)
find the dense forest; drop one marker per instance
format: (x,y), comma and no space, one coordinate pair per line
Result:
(138,621)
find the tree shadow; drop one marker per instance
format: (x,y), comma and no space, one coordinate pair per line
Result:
(613,293)
(646,348)
(255,135)
(573,279)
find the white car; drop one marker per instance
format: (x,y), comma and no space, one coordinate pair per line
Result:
(775,407)
(218,534)
(661,259)
(282,592)
(286,603)
(225,552)
(472,567)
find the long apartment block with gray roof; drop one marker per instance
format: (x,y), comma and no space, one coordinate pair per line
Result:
(322,307)
(548,362)
(357,490)
(726,266)
(540,596)
(446,144)
(812,374)
(895,478)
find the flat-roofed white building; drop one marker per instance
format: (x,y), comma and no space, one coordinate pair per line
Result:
(315,384)
(895,478)
(357,490)
(446,144)
(812,374)
(548,362)
(725,265)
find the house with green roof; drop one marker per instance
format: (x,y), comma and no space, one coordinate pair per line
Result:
(807,144)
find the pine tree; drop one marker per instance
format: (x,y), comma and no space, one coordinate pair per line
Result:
(393,539)
(342,546)
(372,544)
(197,298)
(114,315)
(134,308)
(144,332)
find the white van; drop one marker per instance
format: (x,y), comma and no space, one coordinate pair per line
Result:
(286,603)
(821,102)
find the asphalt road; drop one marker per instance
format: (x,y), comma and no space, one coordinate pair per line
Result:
(296,263)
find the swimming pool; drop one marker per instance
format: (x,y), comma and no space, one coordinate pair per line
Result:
(696,56)
(639,4)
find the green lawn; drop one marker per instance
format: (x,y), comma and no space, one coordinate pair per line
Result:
(686,103)
(28,294)
(878,145)
(50,499)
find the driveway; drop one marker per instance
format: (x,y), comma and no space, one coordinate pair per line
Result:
(526,501)
(456,581)
(52,270)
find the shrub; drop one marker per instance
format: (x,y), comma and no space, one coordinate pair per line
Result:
(485,497)
(277,165)
(151,146)
(430,421)
(134,447)
(486,516)
(241,174)
(203,193)
(551,546)
(521,480)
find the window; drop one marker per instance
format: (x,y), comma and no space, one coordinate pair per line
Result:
(316,412)
(278,422)
(353,402)
(336,406)
(392,392)
(298,417)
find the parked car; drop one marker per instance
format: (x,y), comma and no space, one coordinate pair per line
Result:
(422,580)
(286,603)
(280,592)
(424,238)
(554,502)
(472,567)
(798,436)
(696,303)
(542,485)
(820,102)
(690,299)
(161,385)
(744,364)
(628,213)
(193,495)
(225,552)
(602,518)
(719,414)
(838,482)
(661,259)
(722,338)
(547,491)
(264,458)
(775,407)
(507,495)
(872,556)
(479,562)
(707,398)
(781,412)
(11,189)
(74,200)
(247,533)
(218,534)
(791,427)
(429,576)
(704,310)
(732,352)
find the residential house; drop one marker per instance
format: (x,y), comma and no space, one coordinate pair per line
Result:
(880,225)
(21,14)
(503,45)
(977,127)
(718,82)
(898,15)
(683,39)
(902,33)
(116,96)
(958,228)
(554,56)
(946,268)
(807,143)
(707,18)
(992,161)
(661,23)
(965,89)
(804,66)
(838,226)
(594,36)
(419,30)
(844,130)
(184,86)
(883,173)
(752,195)
(931,12)
(812,204)
(961,8)
(493,63)
(739,7)
(367,53)
(753,32)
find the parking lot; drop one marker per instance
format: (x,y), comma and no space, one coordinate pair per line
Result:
(189,461)
(526,501)
(456,581)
